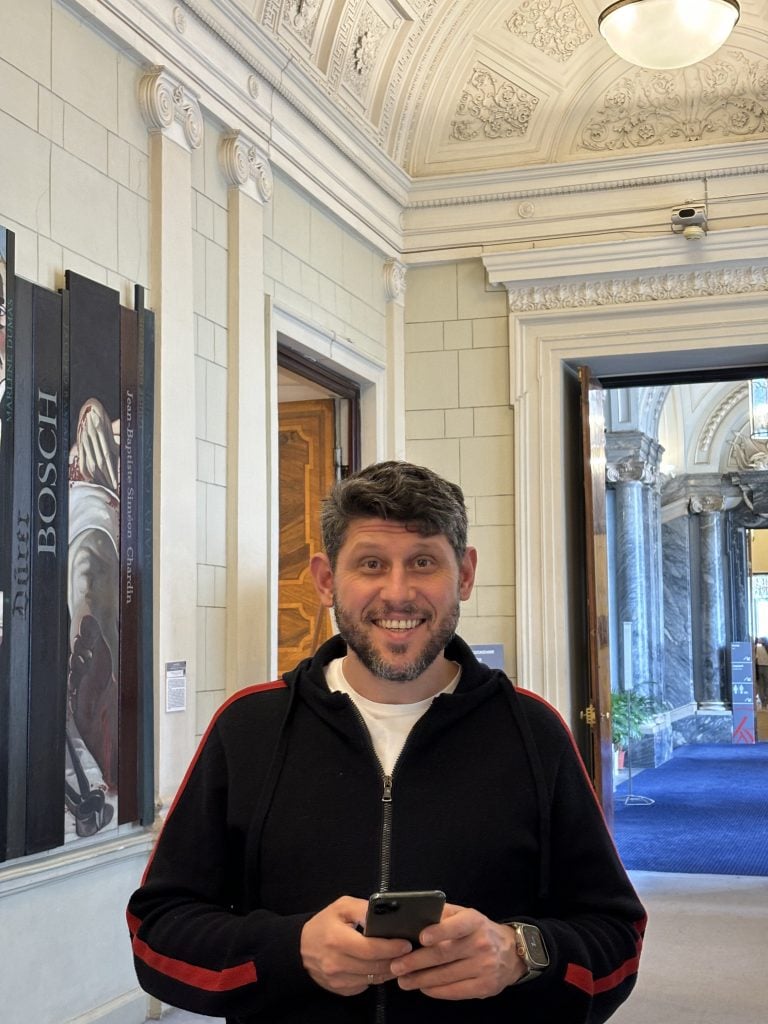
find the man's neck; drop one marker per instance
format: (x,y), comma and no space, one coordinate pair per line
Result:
(388,691)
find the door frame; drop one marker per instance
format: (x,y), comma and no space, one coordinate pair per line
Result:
(341,359)
(606,305)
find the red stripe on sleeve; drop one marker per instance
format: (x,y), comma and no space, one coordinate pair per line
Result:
(582,978)
(197,977)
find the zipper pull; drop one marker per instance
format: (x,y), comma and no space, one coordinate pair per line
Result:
(386,796)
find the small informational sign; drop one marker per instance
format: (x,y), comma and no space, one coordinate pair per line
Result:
(175,686)
(742,692)
(491,655)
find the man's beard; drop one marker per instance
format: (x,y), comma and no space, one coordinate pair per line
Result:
(357,639)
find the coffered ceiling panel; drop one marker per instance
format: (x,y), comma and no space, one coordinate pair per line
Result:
(448,87)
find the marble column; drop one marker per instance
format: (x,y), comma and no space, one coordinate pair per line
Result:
(175,126)
(710,688)
(249,633)
(631,472)
(394,288)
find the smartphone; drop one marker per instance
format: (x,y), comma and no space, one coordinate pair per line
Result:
(403,915)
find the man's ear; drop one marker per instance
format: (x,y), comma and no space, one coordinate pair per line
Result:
(467,570)
(322,574)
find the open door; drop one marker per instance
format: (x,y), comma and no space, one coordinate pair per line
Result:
(597,714)
(306,436)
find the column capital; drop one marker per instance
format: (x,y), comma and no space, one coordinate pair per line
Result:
(394,280)
(246,166)
(699,504)
(169,108)
(631,470)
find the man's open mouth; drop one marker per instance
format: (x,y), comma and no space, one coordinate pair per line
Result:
(398,624)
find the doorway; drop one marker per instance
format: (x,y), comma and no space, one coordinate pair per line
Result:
(685,496)
(318,443)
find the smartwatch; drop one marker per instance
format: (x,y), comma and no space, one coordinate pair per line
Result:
(529,943)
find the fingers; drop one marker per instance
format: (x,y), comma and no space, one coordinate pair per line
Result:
(338,958)
(466,956)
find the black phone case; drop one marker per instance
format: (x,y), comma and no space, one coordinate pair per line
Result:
(403,915)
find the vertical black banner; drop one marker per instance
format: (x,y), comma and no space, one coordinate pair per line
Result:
(93,566)
(19,386)
(129,585)
(144,574)
(6,513)
(48,620)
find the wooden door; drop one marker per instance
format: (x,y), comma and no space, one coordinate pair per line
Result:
(306,443)
(598,711)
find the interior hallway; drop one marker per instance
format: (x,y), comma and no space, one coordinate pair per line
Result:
(705,954)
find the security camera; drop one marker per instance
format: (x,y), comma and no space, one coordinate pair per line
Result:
(691,221)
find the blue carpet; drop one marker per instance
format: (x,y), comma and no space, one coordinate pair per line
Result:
(710,814)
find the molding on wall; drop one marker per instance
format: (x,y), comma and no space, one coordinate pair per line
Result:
(133,843)
(726,262)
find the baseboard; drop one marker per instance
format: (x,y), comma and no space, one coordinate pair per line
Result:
(130,1008)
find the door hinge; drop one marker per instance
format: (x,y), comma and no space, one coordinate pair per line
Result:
(589,715)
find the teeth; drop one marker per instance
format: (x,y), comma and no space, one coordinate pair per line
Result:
(399,623)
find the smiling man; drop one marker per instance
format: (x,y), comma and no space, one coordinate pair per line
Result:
(392,760)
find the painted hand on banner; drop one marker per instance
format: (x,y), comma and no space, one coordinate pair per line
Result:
(96,452)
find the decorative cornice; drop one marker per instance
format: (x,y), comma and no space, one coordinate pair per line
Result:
(641,288)
(394,280)
(245,166)
(278,84)
(168,107)
(596,184)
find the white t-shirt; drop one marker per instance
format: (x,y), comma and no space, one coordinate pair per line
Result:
(388,724)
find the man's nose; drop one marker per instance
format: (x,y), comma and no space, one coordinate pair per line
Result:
(397,585)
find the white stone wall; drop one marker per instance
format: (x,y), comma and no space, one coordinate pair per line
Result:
(322,272)
(459,422)
(209,241)
(74,189)
(73,158)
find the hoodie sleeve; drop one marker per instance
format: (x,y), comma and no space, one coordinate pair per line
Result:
(192,947)
(592,920)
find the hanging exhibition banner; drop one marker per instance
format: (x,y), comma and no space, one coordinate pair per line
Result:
(75,569)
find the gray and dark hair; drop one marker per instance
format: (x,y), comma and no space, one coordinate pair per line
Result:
(400,491)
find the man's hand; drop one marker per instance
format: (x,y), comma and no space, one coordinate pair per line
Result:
(465,956)
(338,957)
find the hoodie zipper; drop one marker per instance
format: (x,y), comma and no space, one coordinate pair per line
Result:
(385,845)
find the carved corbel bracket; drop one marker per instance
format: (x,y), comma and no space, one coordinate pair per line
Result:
(245,166)
(394,280)
(167,105)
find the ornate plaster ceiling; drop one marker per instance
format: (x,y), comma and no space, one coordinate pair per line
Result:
(457,87)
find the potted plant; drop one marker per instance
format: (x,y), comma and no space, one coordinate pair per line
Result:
(629,713)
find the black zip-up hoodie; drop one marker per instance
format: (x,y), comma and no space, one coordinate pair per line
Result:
(285,808)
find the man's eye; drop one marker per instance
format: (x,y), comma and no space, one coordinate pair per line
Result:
(423,563)
(371,564)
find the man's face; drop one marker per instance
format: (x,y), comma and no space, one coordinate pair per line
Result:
(396,597)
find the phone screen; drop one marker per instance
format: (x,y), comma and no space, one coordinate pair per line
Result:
(403,915)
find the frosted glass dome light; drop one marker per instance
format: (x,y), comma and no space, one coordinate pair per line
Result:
(667,33)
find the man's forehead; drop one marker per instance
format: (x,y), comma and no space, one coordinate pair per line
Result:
(383,531)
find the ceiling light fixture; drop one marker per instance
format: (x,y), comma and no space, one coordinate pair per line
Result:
(665,34)
(758,408)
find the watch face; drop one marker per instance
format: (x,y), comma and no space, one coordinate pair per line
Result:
(537,951)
